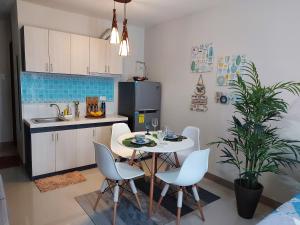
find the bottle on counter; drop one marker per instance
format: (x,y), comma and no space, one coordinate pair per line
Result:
(103,108)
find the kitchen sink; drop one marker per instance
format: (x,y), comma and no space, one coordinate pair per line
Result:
(47,120)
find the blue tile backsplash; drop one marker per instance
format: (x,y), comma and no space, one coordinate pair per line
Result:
(46,88)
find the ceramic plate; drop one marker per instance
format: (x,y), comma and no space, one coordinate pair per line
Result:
(173,137)
(145,141)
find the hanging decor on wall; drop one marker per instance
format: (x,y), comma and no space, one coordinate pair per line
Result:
(199,99)
(225,98)
(228,68)
(202,58)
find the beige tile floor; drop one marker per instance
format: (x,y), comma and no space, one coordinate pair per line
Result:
(27,206)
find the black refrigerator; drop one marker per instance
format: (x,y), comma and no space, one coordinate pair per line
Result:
(140,101)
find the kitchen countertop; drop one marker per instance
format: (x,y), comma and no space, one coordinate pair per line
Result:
(80,121)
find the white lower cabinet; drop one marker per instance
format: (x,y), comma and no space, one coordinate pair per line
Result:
(43,153)
(61,150)
(85,146)
(66,148)
(103,135)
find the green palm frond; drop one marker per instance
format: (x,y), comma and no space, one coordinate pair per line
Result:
(255,146)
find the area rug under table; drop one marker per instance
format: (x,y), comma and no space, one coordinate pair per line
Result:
(128,212)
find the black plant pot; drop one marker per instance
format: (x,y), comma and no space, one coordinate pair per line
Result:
(246,199)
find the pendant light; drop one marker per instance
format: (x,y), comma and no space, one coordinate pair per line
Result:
(114,35)
(124,46)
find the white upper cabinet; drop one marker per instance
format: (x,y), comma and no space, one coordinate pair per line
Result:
(98,62)
(35,49)
(59,52)
(80,54)
(115,62)
(64,53)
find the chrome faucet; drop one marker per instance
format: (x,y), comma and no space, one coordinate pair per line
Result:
(57,108)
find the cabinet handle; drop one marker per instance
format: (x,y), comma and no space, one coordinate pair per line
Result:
(51,67)
(87,70)
(56,136)
(47,67)
(52,136)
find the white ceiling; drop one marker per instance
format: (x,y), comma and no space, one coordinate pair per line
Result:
(139,12)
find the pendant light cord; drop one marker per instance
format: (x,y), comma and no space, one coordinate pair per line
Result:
(124,10)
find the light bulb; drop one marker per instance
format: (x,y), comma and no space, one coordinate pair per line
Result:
(114,36)
(124,48)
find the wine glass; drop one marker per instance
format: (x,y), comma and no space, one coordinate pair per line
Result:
(147,126)
(154,123)
(161,136)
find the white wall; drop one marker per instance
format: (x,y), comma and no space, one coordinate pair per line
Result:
(266,30)
(41,16)
(6,126)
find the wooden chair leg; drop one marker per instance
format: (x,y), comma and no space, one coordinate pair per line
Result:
(201,211)
(178,216)
(97,201)
(162,195)
(115,213)
(196,196)
(138,201)
(134,191)
(179,206)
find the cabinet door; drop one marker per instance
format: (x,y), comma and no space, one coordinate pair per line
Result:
(80,55)
(43,153)
(36,49)
(66,149)
(103,135)
(115,62)
(59,52)
(98,61)
(85,146)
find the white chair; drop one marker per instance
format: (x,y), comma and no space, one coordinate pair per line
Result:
(119,129)
(192,171)
(192,133)
(116,174)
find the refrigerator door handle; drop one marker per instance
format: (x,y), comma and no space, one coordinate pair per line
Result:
(147,110)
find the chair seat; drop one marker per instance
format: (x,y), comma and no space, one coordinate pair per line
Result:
(128,172)
(123,151)
(169,176)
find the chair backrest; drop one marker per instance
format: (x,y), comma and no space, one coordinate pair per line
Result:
(194,168)
(118,129)
(194,134)
(106,162)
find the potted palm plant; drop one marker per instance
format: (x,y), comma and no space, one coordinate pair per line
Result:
(254,145)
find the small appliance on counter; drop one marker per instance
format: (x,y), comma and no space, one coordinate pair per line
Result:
(140,102)
(93,109)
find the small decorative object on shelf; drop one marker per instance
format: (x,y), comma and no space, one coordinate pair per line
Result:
(77,112)
(199,99)
(92,108)
(140,71)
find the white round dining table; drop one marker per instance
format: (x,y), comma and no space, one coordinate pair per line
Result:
(160,148)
